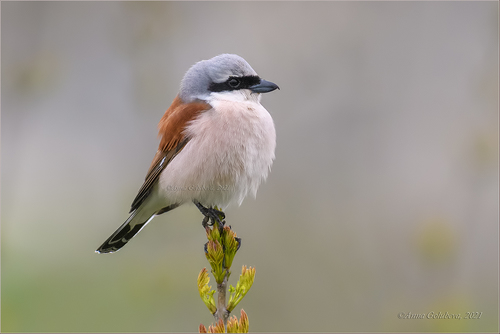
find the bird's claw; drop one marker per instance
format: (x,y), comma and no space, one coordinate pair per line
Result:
(211,214)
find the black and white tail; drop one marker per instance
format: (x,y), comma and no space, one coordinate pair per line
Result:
(126,231)
(133,225)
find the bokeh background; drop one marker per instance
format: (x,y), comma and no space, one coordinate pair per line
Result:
(383,198)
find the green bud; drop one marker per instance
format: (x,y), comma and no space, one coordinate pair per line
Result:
(215,257)
(244,323)
(206,294)
(244,284)
(235,326)
(217,328)
(213,234)
(232,325)
(230,246)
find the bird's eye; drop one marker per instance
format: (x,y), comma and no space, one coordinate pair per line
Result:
(233,82)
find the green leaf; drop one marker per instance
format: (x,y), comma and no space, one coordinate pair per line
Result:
(242,287)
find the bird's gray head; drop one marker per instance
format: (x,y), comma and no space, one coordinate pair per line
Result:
(226,72)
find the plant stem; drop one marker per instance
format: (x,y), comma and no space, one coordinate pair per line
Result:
(222,312)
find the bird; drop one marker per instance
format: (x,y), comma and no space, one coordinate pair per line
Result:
(217,145)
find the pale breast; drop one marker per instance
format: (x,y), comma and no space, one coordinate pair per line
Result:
(230,153)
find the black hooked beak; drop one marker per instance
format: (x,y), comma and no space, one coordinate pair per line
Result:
(264,87)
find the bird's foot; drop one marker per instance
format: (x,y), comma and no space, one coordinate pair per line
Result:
(211,214)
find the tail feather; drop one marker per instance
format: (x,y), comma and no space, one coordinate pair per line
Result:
(124,233)
(133,225)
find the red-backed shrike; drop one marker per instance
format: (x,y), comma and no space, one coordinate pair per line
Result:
(217,145)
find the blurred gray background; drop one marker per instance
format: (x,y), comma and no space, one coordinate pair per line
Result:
(383,197)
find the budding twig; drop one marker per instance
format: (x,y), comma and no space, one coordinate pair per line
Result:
(220,250)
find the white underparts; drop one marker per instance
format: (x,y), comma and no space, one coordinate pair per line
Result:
(230,153)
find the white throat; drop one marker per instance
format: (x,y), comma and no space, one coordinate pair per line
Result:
(242,95)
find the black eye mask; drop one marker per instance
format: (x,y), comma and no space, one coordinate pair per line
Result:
(235,83)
